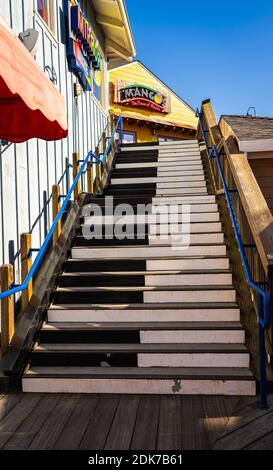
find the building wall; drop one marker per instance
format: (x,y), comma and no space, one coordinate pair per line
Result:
(145,134)
(181,114)
(263,171)
(28,171)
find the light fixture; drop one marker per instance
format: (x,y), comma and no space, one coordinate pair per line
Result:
(31,40)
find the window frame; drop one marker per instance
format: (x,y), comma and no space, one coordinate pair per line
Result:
(132,133)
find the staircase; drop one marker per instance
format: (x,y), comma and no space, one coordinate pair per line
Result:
(140,315)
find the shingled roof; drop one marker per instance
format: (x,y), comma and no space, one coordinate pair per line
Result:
(250,128)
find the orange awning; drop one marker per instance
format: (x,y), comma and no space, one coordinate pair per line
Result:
(30,105)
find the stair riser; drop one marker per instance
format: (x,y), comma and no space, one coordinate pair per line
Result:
(177,238)
(205,199)
(165,191)
(189,280)
(189,296)
(179,184)
(159,164)
(148,252)
(178,169)
(188,264)
(200,212)
(155,315)
(141,386)
(100,281)
(192,336)
(94,337)
(193,360)
(105,265)
(210,227)
(111,297)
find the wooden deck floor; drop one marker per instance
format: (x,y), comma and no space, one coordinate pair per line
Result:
(116,422)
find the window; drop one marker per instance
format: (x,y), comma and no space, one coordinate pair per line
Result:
(162,138)
(46,10)
(129,137)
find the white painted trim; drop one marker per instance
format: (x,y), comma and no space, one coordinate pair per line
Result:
(256,145)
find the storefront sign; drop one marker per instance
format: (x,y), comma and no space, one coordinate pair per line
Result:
(82,46)
(141,96)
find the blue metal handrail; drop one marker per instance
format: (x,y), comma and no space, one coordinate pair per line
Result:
(34,268)
(263,296)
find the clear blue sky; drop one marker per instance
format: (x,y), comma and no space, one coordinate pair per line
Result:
(209,49)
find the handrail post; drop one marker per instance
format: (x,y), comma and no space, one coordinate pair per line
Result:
(77,189)
(55,209)
(262,359)
(120,130)
(90,177)
(98,171)
(7,309)
(26,263)
(104,147)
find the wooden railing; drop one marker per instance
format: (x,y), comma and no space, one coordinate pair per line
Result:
(95,168)
(251,218)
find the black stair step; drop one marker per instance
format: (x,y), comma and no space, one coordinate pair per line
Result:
(139,144)
(70,296)
(129,190)
(137,158)
(85,280)
(80,241)
(133,200)
(87,265)
(138,186)
(89,335)
(132,173)
(82,359)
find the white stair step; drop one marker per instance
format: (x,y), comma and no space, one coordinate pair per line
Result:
(164,191)
(210,220)
(176,226)
(182,173)
(189,279)
(187,264)
(144,313)
(185,159)
(147,252)
(160,381)
(181,184)
(203,199)
(176,162)
(178,169)
(193,360)
(206,212)
(223,336)
(178,153)
(172,143)
(173,237)
(191,295)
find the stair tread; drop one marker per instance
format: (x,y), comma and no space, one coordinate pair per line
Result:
(142,348)
(146,306)
(224,373)
(83,326)
(144,288)
(144,273)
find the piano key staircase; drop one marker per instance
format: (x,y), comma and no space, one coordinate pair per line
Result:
(140,315)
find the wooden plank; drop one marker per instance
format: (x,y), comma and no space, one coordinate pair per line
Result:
(56,191)
(100,424)
(17,416)
(8,402)
(169,428)
(72,434)
(121,432)
(194,436)
(7,308)
(24,435)
(215,417)
(54,425)
(26,263)
(211,121)
(265,443)
(247,434)
(145,433)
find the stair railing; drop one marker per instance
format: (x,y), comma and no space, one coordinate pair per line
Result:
(264,312)
(6,296)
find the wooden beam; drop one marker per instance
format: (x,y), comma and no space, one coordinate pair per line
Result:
(7,309)
(108,21)
(256,209)
(90,178)
(211,122)
(117,48)
(26,263)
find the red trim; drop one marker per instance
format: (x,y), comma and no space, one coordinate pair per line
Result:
(44,15)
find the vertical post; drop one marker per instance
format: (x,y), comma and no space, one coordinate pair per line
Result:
(26,263)
(77,189)
(90,177)
(7,309)
(262,359)
(104,147)
(55,209)
(98,170)
(120,130)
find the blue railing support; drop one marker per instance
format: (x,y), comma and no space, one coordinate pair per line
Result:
(41,251)
(263,296)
